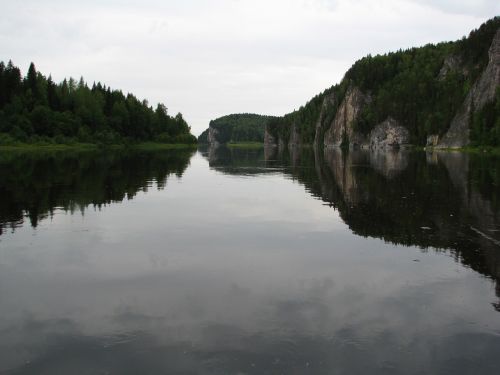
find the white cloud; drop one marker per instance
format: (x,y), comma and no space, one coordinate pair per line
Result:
(210,58)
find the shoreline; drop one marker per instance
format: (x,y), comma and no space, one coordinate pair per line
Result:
(468,149)
(145,146)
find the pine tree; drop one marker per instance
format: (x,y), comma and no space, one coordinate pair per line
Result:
(52,97)
(2,84)
(31,78)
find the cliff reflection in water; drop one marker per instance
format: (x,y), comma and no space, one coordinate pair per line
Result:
(446,201)
(33,185)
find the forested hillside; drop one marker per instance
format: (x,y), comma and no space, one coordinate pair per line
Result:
(236,128)
(422,89)
(35,109)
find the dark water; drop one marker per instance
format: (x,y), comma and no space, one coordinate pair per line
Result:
(249,262)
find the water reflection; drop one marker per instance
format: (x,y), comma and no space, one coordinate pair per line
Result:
(233,269)
(448,201)
(34,184)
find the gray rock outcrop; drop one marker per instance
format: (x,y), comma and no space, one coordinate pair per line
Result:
(482,92)
(348,112)
(269,140)
(389,135)
(452,63)
(212,136)
(432,140)
(328,102)
(294,137)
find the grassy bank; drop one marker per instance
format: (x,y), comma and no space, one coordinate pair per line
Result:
(471,149)
(152,146)
(147,146)
(245,144)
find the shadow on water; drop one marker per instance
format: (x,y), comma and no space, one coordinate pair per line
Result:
(448,201)
(34,184)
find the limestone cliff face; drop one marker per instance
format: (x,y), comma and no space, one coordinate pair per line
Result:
(328,102)
(388,135)
(485,89)
(269,140)
(432,140)
(294,137)
(212,136)
(481,93)
(347,114)
(452,63)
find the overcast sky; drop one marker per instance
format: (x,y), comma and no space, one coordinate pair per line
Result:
(211,58)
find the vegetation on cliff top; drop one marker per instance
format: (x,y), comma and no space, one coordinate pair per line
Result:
(36,110)
(415,86)
(238,128)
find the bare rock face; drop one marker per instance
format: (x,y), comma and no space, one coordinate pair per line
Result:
(294,137)
(212,136)
(269,140)
(347,113)
(432,140)
(485,88)
(327,102)
(389,135)
(281,143)
(452,63)
(482,92)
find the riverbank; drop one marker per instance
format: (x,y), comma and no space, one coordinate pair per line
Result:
(146,146)
(245,144)
(472,149)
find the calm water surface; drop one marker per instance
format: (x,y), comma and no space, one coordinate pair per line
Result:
(249,262)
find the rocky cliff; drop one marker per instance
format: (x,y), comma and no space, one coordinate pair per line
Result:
(269,140)
(388,135)
(320,128)
(483,91)
(212,136)
(342,128)
(426,96)
(295,139)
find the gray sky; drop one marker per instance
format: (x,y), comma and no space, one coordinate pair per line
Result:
(211,58)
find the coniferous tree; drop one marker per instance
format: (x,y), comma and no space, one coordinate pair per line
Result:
(37,109)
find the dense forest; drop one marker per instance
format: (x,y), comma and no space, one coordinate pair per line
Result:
(422,88)
(35,109)
(237,128)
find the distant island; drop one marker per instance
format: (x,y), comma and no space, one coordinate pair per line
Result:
(236,128)
(442,96)
(36,110)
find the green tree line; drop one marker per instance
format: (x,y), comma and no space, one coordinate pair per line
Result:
(245,127)
(35,109)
